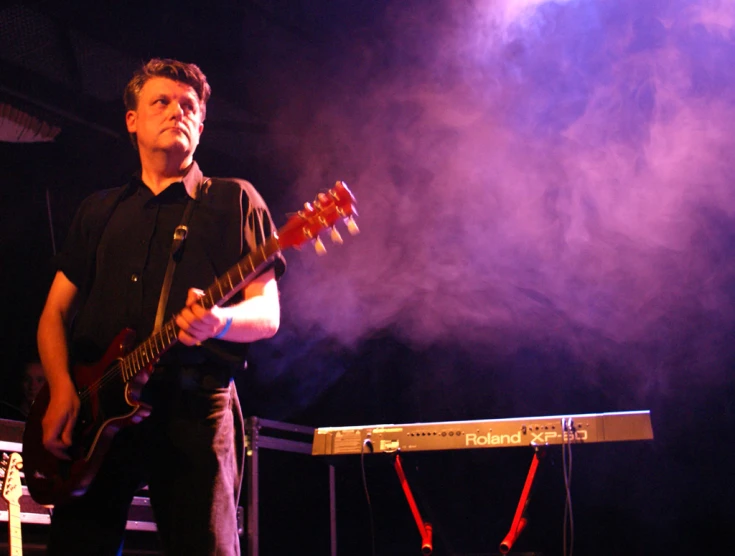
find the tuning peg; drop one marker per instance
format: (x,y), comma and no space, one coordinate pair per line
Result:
(319,246)
(322,198)
(352,226)
(335,237)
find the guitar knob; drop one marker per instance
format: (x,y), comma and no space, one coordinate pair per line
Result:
(352,226)
(319,246)
(334,235)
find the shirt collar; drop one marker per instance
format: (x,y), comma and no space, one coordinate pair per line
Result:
(192,181)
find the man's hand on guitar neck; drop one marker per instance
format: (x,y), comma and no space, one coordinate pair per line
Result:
(196,323)
(254,318)
(59,420)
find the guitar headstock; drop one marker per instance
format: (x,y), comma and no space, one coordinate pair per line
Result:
(10,468)
(323,213)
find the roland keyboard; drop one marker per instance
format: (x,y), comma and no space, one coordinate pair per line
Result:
(492,433)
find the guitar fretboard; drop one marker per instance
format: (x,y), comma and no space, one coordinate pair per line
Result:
(16,538)
(218,293)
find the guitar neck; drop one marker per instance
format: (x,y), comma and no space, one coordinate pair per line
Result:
(222,290)
(240,275)
(16,539)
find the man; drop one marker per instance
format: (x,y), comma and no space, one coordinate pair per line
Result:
(110,274)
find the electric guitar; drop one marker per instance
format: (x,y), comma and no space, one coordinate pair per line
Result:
(109,390)
(10,482)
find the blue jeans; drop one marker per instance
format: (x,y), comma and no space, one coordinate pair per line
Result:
(190,453)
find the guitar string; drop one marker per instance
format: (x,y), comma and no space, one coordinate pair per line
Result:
(139,359)
(118,370)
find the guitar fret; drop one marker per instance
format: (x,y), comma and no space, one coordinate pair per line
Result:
(262,256)
(14,524)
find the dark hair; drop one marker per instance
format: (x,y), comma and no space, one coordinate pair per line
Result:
(190,74)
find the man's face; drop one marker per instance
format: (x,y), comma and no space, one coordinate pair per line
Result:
(168,117)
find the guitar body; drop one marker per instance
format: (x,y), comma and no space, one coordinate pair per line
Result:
(108,403)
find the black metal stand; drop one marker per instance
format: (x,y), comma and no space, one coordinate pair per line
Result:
(257,438)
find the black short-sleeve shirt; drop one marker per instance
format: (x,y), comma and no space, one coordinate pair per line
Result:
(117,251)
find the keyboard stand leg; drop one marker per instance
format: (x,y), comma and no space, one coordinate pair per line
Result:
(425,529)
(519,519)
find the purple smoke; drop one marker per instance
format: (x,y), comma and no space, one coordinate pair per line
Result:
(526,173)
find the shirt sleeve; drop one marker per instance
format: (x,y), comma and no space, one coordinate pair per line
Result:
(75,259)
(258,226)
(78,254)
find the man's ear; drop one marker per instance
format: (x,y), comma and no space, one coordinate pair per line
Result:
(131,120)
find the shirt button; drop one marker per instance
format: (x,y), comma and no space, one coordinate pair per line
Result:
(134,278)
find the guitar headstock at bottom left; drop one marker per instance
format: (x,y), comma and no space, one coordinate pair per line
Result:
(10,469)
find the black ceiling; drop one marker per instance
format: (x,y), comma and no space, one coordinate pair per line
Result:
(68,62)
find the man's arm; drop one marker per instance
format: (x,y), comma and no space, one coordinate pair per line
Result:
(58,422)
(255,318)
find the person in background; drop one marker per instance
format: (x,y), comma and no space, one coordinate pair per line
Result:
(32,381)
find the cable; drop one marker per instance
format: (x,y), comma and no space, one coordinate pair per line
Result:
(50,222)
(568,433)
(365,443)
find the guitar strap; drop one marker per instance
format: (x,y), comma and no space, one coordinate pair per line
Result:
(180,234)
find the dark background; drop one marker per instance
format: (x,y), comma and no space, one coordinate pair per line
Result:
(546,201)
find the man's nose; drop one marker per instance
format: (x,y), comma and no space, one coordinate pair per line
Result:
(176,110)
